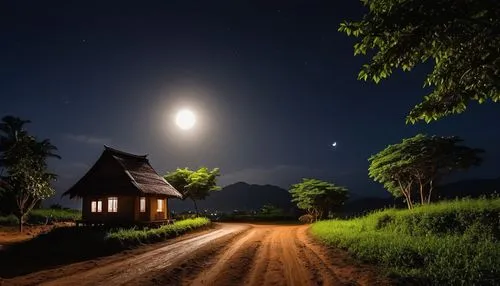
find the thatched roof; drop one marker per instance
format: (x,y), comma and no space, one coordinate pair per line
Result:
(120,173)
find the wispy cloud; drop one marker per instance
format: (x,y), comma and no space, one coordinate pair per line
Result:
(87,139)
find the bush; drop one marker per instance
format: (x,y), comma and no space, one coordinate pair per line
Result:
(9,220)
(307,218)
(42,216)
(133,236)
(455,242)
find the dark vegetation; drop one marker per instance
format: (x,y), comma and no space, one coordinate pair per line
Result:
(44,216)
(412,168)
(64,245)
(446,243)
(458,39)
(24,176)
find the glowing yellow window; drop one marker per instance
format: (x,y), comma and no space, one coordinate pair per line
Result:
(160,206)
(142,205)
(93,206)
(112,204)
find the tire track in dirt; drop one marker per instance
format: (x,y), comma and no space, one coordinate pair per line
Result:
(232,263)
(320,271)
(283,255)
(121,272)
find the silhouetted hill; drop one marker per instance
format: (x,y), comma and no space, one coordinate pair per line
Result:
(240,196)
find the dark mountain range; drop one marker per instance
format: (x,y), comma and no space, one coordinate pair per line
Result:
(241,196)
(246,197)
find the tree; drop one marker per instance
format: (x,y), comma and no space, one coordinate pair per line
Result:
(418,163)
(23,160)
(195,185)
(460,39)
(318,197)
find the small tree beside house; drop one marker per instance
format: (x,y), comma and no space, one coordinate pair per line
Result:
(194,184)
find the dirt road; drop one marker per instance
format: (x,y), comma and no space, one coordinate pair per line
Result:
(234,254)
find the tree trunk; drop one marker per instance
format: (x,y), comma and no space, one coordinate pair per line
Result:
(195,207)
(430,192)
(421,189)
(21,218)
(407,195)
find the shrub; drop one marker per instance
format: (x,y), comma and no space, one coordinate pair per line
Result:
(307,218)
(134,236)
(9,220)
(42,216)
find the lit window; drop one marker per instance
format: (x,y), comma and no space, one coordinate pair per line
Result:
(93,206)
(160,206)
(142,205)
(112,204)
(99,206)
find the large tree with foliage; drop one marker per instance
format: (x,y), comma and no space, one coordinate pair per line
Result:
(194,184)
(460,39)
(318,197)
(418,163)
(23,160)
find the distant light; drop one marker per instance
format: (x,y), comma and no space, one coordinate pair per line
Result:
(334,144)
(185,119)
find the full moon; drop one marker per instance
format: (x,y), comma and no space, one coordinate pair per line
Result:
(185,119)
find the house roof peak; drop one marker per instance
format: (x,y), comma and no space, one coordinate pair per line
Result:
(120,153)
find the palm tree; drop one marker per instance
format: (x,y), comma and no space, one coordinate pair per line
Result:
(24,158)
(11,131)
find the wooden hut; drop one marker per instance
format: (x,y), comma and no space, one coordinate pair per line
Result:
(123,188)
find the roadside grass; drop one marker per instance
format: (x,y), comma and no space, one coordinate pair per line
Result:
(133,236)
(64,245)
(56,215)
(9,220)
(43,216)
(451,242)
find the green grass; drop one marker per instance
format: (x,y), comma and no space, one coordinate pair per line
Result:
(9,220)
(133,236)
(455,242)
(42,216)
(56,215)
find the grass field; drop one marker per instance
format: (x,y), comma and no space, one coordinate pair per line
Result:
(455,242)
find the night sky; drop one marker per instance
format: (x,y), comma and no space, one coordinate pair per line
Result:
(273,86)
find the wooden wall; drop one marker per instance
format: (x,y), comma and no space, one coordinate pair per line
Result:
(153,214)
(126,206)
(128,210)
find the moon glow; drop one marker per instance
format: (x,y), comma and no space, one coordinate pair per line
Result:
(185,119)
(334,144)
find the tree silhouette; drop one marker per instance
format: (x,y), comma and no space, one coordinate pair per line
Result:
(23,160)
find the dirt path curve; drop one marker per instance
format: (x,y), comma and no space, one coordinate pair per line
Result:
(268,255)
(234,254)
